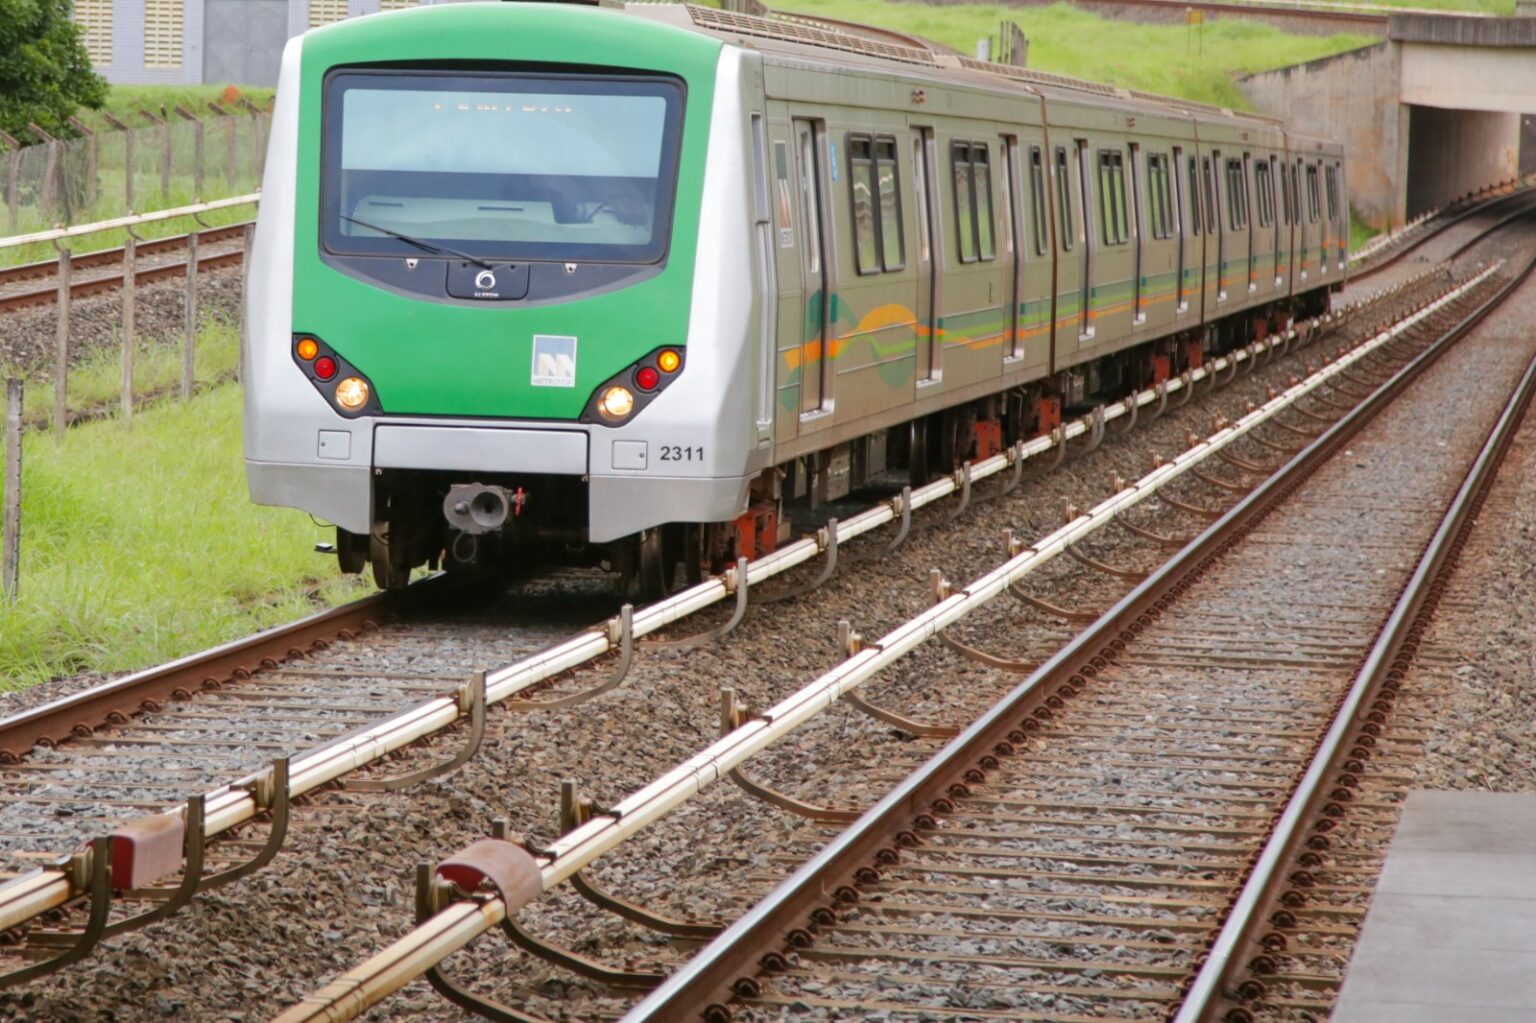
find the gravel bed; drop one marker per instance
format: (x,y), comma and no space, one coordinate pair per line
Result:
(95,321)
(341,888)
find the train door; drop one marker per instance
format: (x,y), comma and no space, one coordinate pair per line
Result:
(1085,290)
(1138,305)
(1181,231)
(817,319)
(1276,225)
(1213,214)
(1013,247)
(1249,220)
(927,246)
(1196,237)
(1066,312)
(1303,219)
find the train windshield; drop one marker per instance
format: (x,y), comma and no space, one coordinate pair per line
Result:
(503,167)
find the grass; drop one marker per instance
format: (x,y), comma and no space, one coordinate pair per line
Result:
(140,545)
(125,101)
(95,382)
(1359,231)
(1069,40)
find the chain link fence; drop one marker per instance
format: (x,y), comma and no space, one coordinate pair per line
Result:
(159,162)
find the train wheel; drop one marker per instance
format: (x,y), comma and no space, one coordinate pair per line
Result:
(391,570)
(653,573)
(351,551)
(695,554)
(917,453)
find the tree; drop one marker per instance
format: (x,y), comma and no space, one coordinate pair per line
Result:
(45,74)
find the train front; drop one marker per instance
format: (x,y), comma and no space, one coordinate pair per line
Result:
(486,321)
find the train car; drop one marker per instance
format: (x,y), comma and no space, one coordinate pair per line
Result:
(619,286)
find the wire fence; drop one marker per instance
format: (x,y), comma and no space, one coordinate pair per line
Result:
(159,161)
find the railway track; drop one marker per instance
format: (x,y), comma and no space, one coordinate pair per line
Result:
(449,920)
(185,745)
(101,272)
(1511,200)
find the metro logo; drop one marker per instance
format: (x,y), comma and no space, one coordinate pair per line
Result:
(554,361)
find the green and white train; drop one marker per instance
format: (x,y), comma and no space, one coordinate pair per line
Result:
(611,286)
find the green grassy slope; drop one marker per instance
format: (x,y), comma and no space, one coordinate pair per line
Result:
(1169,59)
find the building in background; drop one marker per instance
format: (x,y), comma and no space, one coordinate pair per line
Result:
(214,42)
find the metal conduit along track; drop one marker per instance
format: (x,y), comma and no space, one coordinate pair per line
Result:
(447,926)
(284,703)
(1147,814)
(94,273)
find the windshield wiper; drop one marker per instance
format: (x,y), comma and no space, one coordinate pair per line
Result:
(441,250)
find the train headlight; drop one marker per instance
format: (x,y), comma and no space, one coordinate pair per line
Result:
(352,393)
(616,402)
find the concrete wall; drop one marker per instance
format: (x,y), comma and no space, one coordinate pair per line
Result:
(1351,97)
(1453,152)
(1469,78)
(243,40)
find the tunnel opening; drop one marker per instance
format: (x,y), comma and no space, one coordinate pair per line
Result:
(1454,152)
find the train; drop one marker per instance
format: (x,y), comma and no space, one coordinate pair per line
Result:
(628,287)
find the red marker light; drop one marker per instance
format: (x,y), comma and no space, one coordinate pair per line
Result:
(325,367)
(647,378)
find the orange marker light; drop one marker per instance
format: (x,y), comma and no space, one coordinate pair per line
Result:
(669,361)
(308,349)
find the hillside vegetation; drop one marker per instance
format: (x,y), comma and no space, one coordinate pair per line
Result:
(1196,63)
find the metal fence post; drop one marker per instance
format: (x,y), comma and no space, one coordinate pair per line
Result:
(165,150)
(53,193)
(127,159)
(10,536)
(188,345)
(197,151)
(130,253)
(92,160)
(229,140)
(258,122)
(61,347)
(12,185)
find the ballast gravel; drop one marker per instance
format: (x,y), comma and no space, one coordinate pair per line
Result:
(342,887)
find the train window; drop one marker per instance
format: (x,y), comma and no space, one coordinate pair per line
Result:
(1333,194)
(1113,216)
(1212,220)
(982,178)
(920,196)
(1159,201)
(875,188)
(861,174)
(1285,195)
(1194,197)
(973,201)
(1313,212)
(1237,196)
(893,253)
(1037,198)
(809,210)
(580,167)
(965,206)
(1064,199)
(1263,186)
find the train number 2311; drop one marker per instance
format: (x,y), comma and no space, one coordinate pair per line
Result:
(680,453)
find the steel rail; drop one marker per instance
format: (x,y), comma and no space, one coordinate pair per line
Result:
(354,992)
(1210,991)
(81,713)
(705,982)
(113,257)
(25,897)
(1365,272)
(59,234)
(112,282)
